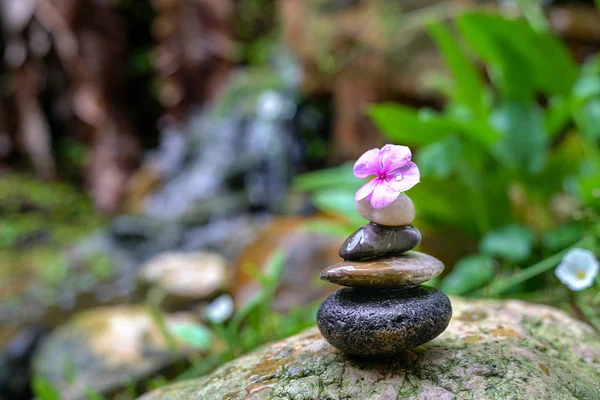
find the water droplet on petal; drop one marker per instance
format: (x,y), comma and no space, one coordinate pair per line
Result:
(399,177)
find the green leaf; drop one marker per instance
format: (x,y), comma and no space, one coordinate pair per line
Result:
(328,228)
(513,243)
(563,163)
(194,335)
(558,115)
(519,56)
(437,202)
(524,145)
(93,395)
(338,202)
(562,237)
(469,273)
(507,70)
(533,11)
(408,126)
(469,88)
(274,268)
(480,132)
(262,298)
(586,106)
(589,190)
(587,118)
(44,390)
(402,124)
(339,177)
(440,158)
(591,66)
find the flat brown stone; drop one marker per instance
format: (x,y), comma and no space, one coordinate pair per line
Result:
(409,269)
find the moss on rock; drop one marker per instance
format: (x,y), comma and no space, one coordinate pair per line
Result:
(491,350)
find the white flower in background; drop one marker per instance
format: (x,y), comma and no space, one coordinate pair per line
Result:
(578,269)
(220,309)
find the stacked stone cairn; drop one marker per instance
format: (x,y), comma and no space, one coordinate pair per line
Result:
(383,310)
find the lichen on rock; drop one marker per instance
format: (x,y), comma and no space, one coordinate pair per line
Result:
(491,350)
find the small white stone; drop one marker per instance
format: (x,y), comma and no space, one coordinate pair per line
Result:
(400,213)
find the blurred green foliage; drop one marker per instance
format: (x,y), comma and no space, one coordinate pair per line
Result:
(256,322)
(252,325)
(37,220)
(511,161)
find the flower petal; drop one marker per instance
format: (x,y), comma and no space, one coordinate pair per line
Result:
(366,190)
(368,164)
(571,280)
(383,195)
(581,258)
(394,157)
(576,262)
(404,178)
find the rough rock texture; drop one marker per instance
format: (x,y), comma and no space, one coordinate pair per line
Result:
(409,269)
(372,240)
(383,323)
(491,350)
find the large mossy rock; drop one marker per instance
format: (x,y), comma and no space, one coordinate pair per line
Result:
(491,350)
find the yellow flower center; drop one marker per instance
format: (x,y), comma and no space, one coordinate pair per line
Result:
(580,274)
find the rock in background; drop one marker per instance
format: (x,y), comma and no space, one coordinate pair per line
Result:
(183,278)
(105,349)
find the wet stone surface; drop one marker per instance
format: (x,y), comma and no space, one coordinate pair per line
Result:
(372,240)
(383,323)
(409,269)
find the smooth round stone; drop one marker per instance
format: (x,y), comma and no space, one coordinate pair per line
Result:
(367,323)
(400,213)
(374,240)
(396,272)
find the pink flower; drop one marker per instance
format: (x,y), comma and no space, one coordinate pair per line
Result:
(394,173)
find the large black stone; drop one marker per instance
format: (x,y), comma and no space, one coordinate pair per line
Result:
(372,240)
(383,323)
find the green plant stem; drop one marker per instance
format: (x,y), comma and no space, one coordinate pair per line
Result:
(588,312)
(160,322)
(502,285)
(533,12)
(597,298)
(153,301)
